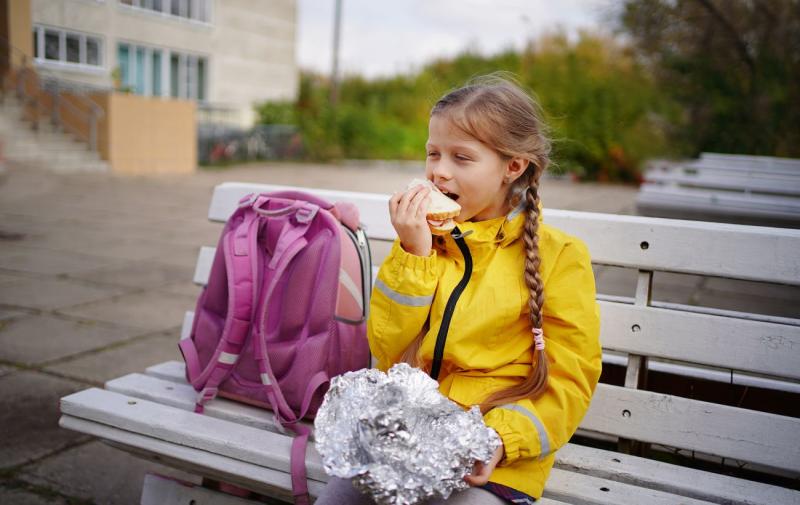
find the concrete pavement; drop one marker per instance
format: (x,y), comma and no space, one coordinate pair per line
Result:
(95,275)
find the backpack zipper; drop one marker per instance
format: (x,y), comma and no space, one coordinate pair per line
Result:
(441,338)
(359,239)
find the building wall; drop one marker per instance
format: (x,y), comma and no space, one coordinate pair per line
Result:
(249,45)
(17,16)
(245,35)
(147,136)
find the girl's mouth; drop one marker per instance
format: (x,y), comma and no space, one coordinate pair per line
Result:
(451,196)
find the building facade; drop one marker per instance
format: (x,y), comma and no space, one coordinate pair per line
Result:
(226,55)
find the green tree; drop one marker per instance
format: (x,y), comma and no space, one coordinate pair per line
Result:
(734,66)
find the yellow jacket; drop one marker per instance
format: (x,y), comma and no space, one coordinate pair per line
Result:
(489,341)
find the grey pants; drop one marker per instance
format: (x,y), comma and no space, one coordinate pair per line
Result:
(341,492)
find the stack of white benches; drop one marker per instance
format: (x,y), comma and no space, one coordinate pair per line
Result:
(725,187)
(151,414)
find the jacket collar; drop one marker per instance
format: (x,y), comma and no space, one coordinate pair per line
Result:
(500,231)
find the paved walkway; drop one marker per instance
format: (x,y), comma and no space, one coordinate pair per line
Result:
(95,275)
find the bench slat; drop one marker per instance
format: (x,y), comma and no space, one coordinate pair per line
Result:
(694,247)
(729,432)
(637,471)
(727,342)
(729,250)
(183,396)
(670,478)
(205,443)
(205,258)
(741,182)
(744,338)
(588,490)
(373,207)
(772,349)
(240,473)
(690,199)
(187,428)
(758,164)
(721,430)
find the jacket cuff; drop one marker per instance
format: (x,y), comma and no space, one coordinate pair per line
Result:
(512,440)
(400,259)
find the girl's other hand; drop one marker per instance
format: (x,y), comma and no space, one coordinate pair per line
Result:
(481,473)
(407,211)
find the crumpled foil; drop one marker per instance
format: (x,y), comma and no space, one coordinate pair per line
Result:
(397,437)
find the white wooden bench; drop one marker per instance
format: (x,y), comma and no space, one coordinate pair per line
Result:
(151,414)
(750,189)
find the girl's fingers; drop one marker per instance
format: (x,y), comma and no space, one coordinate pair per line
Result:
(422,209)
(417,201)
(394,203)
(405,204)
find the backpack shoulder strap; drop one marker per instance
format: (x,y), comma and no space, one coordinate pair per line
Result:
(238,249)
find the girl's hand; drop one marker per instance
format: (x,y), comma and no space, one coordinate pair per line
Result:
(481,473)
(407,211)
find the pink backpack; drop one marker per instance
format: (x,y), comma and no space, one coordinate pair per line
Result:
(284,310)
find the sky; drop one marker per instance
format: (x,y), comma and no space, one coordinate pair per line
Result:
(386,37)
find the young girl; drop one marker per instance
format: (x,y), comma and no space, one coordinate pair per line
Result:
(501,312)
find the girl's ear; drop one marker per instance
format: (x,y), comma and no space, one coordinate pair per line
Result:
(515,167)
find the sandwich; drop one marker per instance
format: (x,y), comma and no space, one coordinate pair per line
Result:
(441,211)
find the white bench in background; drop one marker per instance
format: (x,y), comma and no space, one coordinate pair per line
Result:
(755,189)
(151,414)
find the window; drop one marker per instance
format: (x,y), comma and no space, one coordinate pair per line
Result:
(123,63)
(174,71)
(195,10)
(92,51)
(155,72)
(72,48)
(52,41)
(152,71)
(201,79)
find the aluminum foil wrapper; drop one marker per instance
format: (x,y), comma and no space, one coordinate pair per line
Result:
(397,437)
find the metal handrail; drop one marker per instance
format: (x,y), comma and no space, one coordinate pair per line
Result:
(47,83)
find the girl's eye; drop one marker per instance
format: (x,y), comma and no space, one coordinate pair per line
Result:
(461,157)
(432,153)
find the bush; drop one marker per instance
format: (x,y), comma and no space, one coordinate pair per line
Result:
(603,108)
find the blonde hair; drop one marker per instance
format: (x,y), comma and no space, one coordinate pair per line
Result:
(496,111)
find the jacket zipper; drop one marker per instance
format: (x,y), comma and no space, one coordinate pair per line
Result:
(441,338)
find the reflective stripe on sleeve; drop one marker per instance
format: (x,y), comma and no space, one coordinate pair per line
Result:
(543,438)
(411,301)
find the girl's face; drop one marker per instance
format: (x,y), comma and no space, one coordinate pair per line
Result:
(466,168)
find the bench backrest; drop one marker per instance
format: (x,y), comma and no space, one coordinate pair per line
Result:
(755,344)
(746,182)
(790,166)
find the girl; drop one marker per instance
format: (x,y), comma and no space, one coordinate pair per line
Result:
(502,312)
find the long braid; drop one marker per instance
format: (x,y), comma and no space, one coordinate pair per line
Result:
(532,260)
(534,384)
(534,281)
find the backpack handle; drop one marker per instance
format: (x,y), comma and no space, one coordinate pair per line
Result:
(299,195)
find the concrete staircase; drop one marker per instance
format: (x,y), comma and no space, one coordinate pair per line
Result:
(49,147)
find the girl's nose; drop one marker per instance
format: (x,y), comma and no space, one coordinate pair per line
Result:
(441,171)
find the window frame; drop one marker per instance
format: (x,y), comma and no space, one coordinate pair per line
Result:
(202,10)
(187,78)
(40,50)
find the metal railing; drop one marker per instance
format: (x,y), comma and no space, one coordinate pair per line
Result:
(43,93)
